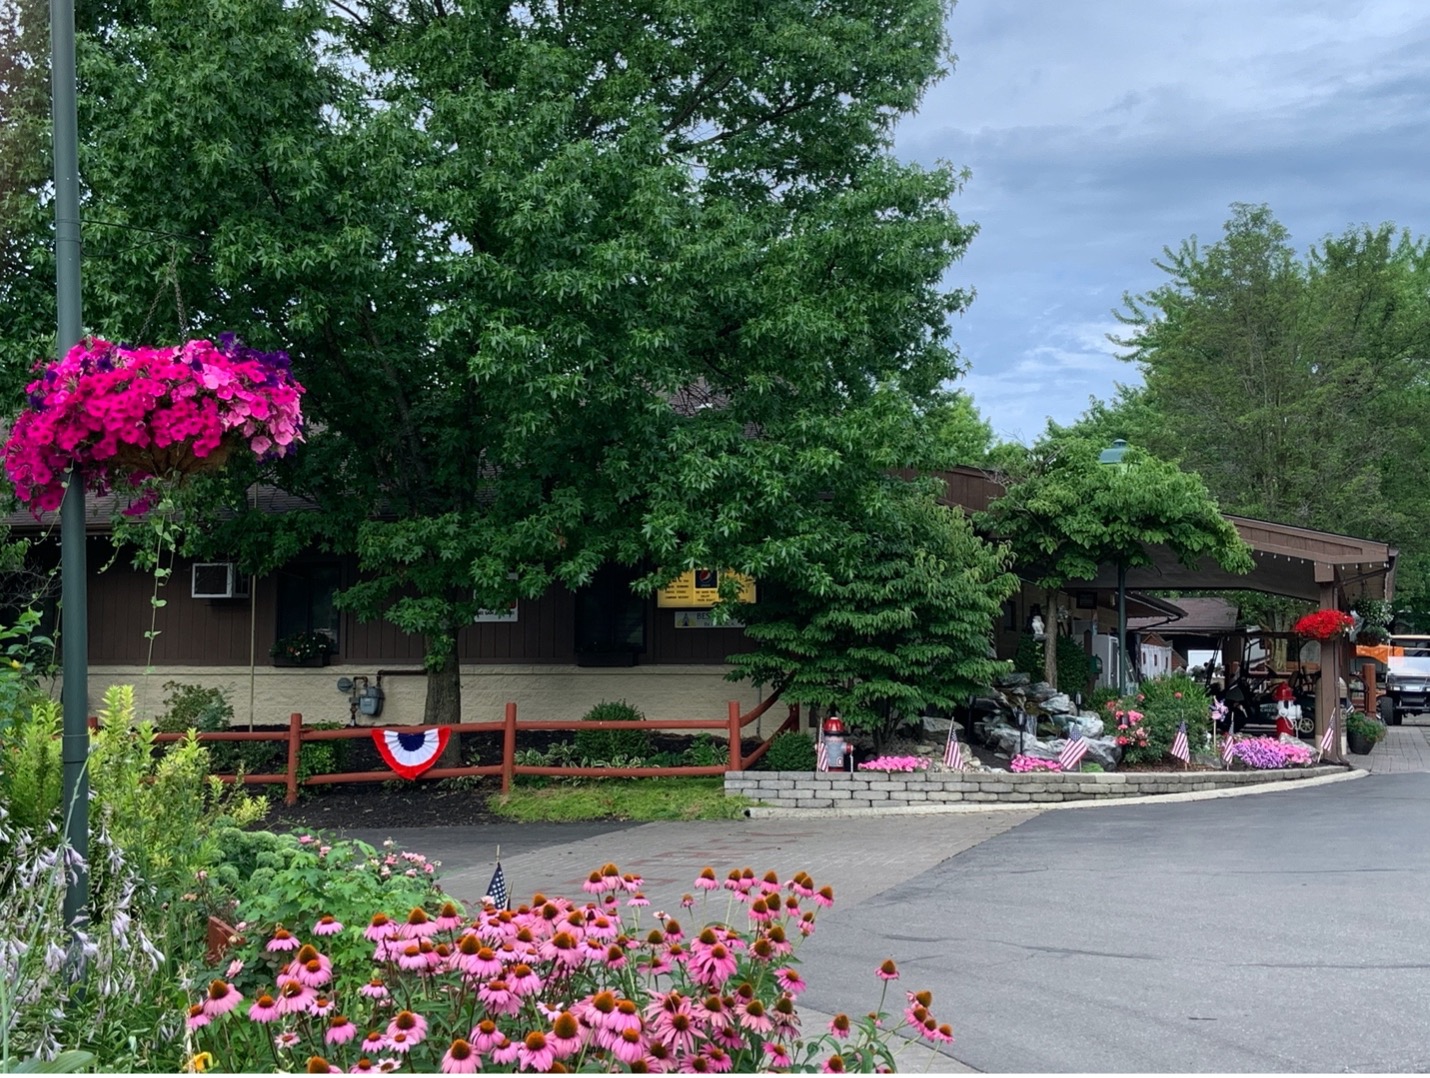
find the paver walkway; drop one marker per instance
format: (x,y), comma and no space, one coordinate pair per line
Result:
(1404,748)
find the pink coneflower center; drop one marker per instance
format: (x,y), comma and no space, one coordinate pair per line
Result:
(460,1050)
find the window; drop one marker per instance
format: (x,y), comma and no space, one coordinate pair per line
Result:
(305,600)
(610,619)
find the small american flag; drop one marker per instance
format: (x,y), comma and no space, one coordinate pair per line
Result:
(1072,753)
(1228,749)
(1329,737)
(1180,749)
(953,751)
(821,757)
(497,889)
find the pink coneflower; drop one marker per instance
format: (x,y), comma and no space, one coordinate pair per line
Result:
(824,896)
(374,1041)
(498,998)
(388,1065)
(476,959)
(565,1036)
(594,884)
(929,1029)
(802,885)
(713,966)
(563,949)
(833,1065)
(234,969)
(314,973)
(363,1066)
(294,998)
(778,1054)
(410,957)
(322,1007)
(448,918)
(753,1017)
(524,980)
(197,1018)
(839,1026)
(221,998)
(414,1025)
(340,1030)
(676,1030)
(628,1045)
(614,957)
(319,1065)
(327,925)
(779,942)
(374,989)
(534,1053)
(401,1043)
(673,932)
(485,1035)
(417,926)
(631,882)
(283,940)
(785,1017)
(719,1059)
(806,924)
(887,971)
(712,1011)
(549,1011)
(381,927)
(600,927)
(760,912)
(637,900)
(687,902)
(264,1009)
(706,880)
(728,1037)
(505,1051)
(789,979)
(461,1058)
(286,1039)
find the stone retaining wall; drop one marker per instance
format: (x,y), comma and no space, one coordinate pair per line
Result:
(879,790)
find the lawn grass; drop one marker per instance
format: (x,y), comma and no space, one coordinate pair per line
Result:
(620,799)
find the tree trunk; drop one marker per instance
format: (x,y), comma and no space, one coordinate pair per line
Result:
(1050,638)
(444,698)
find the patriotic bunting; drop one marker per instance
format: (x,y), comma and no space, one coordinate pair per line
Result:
(411,752)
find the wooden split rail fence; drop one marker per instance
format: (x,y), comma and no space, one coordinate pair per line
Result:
(297,736)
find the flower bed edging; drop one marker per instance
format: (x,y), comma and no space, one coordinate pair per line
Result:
(877,790)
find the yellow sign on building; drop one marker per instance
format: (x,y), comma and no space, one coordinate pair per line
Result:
(700,588)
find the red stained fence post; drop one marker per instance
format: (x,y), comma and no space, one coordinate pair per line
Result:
(508,748)
(295,749)
(736,764)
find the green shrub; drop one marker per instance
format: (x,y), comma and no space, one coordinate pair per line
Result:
(193,707)
(31,771)
(1164,704)
(162,809)
(611,745)
(791,751)
(705,751)
(321,757)
(1073,665)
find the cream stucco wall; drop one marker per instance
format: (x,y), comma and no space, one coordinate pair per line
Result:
(541,692)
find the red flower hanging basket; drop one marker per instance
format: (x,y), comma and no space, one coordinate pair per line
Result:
(1323,625)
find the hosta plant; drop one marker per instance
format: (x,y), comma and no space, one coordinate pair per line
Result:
(555,984)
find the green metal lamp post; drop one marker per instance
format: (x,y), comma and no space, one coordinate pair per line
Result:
(1113,455)
(74,746)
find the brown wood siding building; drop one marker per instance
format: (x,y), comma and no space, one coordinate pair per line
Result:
(217,632)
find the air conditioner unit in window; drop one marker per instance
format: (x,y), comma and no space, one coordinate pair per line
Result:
(218,580)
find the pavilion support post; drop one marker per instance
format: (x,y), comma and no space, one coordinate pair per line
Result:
(1328,691)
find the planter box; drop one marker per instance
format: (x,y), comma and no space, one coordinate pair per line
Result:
(314,661)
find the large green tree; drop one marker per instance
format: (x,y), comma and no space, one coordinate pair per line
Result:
(1295,386)
(1066,514)
(901,621)
(568,283)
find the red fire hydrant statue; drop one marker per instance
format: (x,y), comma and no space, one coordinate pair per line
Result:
(835,746)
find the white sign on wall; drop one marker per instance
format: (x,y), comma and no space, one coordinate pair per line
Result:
(507,616)
(700,619)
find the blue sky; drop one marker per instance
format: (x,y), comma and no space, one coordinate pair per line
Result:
(1100,131)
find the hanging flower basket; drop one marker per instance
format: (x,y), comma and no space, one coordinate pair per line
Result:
(1324,625)
(122,416)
